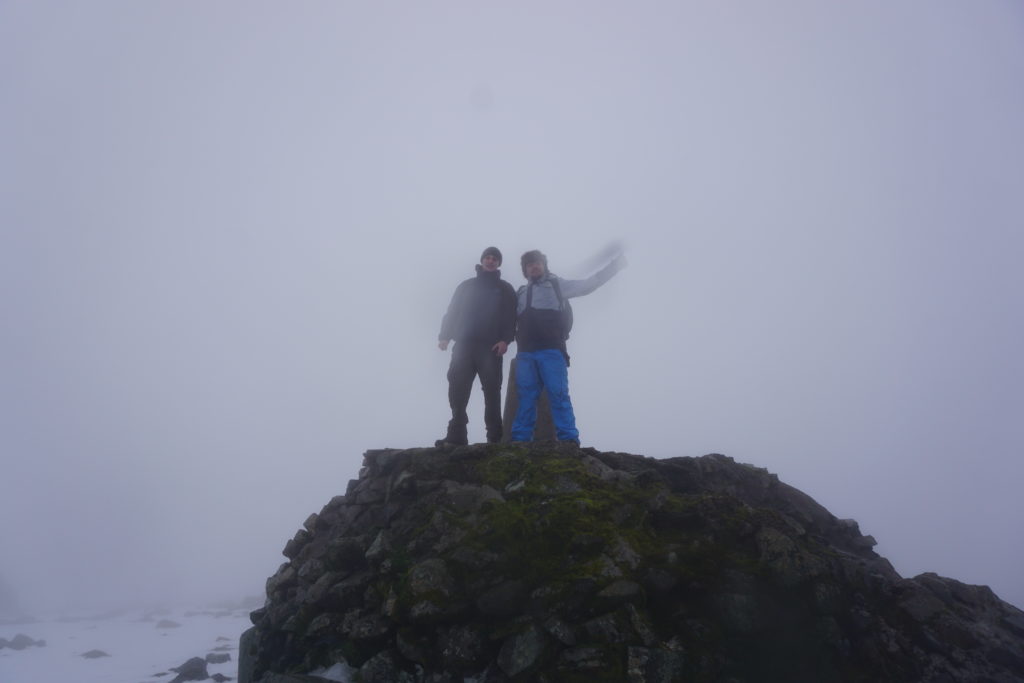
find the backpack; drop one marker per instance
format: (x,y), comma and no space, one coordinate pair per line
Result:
(564,306)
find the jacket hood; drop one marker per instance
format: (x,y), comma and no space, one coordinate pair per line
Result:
(480,272)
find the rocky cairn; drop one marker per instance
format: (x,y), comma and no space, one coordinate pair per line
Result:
(547,562)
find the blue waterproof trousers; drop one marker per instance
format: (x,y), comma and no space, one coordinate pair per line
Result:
(536,371)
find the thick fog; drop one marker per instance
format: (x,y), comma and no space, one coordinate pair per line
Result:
(229,232)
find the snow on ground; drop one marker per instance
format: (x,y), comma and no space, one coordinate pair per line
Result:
(139,650)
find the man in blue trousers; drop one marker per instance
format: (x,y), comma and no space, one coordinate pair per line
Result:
(542,360)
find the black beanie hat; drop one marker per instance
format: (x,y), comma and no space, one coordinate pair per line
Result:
(530,257)
(492,251)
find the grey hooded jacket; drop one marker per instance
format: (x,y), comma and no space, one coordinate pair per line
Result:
(544,294)
(543,326)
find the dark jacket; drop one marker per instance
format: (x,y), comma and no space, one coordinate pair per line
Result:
(482,311)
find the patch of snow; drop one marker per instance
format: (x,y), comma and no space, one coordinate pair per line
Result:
(139,650)
(340,672)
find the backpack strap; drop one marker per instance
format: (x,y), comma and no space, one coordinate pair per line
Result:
(558,292)
(565,312)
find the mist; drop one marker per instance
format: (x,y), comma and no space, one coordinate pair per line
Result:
(228,233)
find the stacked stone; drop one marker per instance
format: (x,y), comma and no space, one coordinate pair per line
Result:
(545,562)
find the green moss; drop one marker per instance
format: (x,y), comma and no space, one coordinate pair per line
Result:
(400,560)
(552,500)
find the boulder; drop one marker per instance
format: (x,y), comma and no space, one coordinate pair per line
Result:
(192,670)
(20,642)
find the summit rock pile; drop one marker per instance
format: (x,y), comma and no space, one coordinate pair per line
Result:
(547,562)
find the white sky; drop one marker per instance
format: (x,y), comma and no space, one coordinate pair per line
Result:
(228,232)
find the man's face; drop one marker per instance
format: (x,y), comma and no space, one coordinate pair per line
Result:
(534,269)
(490,263)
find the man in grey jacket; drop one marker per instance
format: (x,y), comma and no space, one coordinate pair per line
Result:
(542,360)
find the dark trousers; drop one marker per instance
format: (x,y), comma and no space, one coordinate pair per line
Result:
(468,361)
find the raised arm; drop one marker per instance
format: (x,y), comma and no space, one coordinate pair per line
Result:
(574,288)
